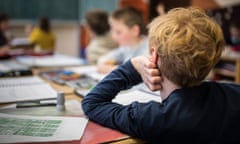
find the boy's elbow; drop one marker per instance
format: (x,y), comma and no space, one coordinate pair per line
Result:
(88,107)
(85,106)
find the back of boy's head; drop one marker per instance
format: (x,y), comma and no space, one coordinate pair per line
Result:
(97,20)
(130,17)
(189,44)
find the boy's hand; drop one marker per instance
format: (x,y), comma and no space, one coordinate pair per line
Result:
(148,71)
(105,67)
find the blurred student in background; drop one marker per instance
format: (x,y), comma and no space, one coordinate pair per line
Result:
(28,29)
(42,36)
(235,35)
(101,42)
(128,30)
(4,43)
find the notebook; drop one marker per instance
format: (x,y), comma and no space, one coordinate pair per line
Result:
(23,89)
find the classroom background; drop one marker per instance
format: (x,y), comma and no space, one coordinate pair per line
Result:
(67,17)
(49,86)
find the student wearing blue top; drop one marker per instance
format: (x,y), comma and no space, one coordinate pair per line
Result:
(185,44)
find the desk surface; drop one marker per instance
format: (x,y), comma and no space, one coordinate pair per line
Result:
(89,136)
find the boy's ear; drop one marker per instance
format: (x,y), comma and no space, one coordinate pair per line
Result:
(135,28)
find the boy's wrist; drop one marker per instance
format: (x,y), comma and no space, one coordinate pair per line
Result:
(135,64)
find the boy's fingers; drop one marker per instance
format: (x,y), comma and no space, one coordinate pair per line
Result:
(149,65)
(155,80)
(154,87)
(153,83)
(153,72)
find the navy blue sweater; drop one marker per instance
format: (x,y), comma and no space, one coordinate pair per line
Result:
(208,113)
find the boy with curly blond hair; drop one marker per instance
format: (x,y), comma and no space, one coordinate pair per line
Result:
(184,44)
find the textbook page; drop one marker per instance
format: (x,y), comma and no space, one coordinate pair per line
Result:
(18,128)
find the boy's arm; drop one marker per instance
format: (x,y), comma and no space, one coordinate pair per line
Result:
(98,105)
(124,77)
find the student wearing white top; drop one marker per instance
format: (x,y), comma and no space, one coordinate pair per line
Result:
(128,30)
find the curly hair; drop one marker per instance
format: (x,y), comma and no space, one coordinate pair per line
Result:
(189,44)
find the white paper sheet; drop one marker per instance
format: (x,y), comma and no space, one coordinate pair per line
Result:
(16,128)
(20,41)
(128,97)
(50,61)
(84,69)
(9,65)
(25,89)
(7,82)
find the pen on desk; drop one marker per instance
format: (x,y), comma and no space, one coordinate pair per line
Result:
(35,105)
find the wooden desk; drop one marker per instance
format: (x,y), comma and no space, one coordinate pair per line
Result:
(94,133)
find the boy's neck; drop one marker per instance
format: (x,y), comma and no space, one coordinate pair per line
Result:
(135,42)
(167,88)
